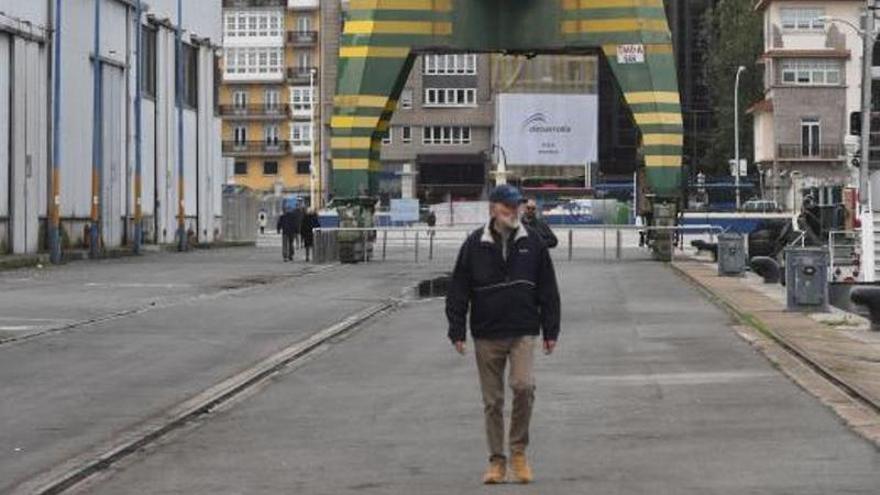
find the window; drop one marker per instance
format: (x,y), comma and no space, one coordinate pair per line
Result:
(240,135)
(148,59)
(271,133)
(241,168)
(253,61)
(446,135)
(272,99)
(810,72)
(386,136)
(190,56)
(301,134)
(304,60)
(239,23)
(802,18)
(450,97)
(303,167)
(301,98)
(270,168)
(450,64)
(810,137)
(406,99)
(239,100)
(406,134)
(303,24)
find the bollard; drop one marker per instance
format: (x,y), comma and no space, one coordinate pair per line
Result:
(417,247)
(364,244)
(766,267)
(570,243)
(618,250)
(870,298)
(384,243)
(603,243)
(430,246)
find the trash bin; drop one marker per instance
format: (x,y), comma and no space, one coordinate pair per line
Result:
(806,279)
(731,254)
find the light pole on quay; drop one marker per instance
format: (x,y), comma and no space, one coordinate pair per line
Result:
(739,71)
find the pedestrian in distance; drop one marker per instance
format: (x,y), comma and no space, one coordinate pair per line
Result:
(532,220)
(288,228)
(504,285)
(299,212)
(309,224)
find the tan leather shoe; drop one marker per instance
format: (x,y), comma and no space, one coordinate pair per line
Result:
(495,473)
(522,473)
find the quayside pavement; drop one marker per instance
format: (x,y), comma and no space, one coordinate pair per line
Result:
(651,391)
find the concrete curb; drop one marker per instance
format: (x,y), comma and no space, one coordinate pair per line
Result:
(753,321)
(81,467)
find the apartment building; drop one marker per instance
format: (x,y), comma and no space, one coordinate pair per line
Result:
(269,95)
(442,130)
(812,80)
(95,184)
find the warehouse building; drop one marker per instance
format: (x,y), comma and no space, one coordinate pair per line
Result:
(95,144)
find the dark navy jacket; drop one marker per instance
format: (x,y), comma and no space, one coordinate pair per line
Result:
(508,298)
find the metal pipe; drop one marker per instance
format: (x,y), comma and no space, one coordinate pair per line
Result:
(138,136)
(430,246)
(181,211)
(97,139)
(55,177)
(417,246)
(570,239)
(384,243)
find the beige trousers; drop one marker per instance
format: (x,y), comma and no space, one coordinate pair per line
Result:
(492,357)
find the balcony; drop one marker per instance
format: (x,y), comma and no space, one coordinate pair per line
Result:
(302,4)
(238,4)
(256,148)
(300,75)
(302,38)
(255,112)
(820,152)
(300,147)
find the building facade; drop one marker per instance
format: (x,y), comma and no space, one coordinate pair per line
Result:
(96,180)
(441,132)
(268,99)
(812,80)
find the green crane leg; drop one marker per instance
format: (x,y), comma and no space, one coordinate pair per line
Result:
(380,36)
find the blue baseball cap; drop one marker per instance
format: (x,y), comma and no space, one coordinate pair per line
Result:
(506,194)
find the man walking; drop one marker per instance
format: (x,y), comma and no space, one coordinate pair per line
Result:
(288,226)
(504,277)
(536,223)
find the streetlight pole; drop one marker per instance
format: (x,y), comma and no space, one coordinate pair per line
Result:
(739,71)
(312,193)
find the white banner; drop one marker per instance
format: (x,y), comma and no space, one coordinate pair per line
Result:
(548,129)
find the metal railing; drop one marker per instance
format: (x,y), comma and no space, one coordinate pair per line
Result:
(279,111)
(805,151)
(441,244)
(300,75)
(276,147)
(302,38)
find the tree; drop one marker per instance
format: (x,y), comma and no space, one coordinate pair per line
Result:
(732,32)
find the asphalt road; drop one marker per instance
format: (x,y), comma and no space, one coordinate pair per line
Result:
(188,321)
(650,392)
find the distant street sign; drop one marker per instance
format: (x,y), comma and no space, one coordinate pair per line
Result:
(631,54)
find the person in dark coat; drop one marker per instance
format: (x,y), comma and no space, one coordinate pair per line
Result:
(288,227)
(504,286)
(531,219)
(307,231)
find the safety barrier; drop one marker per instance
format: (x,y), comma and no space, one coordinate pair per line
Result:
(441,244)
